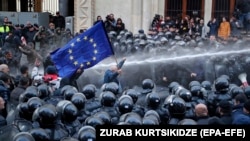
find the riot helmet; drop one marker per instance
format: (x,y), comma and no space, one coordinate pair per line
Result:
(23,136)
(187,121)
(148,84)
(194,83)
(196,91)
(172,85)
(47,114)
(185,94)
(43,91)
(87,133)
(107,98)
(132,93)
(89,91)
(106,118)
(153,99)
(206,84)
(39,134)
(112,87)
(69,93)
(34,103)
(93,121)
(125,104)
(176,106)
(221,84)
(79,100)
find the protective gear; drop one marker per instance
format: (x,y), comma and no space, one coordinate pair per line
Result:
(207,85)
(43,91)
(47,115)
(187,122)
(133,119)
(112,87)
(152,114)
(149,121)
(247,91)
(233,91)
(221,84)
(23,136)
(69,93)
(39,134)
(172,85)
(93,121)
(30,91)
(67,110)
(79,100)
(185,95)
(153,100)
(194,83)
(23,111)
(196,91)
(132,93)
(176,106)
(86,133)
(106,118)
(89,91)
(67,87)
(125,104)
(69,139)
(148,84)
(107,98)
(34,103)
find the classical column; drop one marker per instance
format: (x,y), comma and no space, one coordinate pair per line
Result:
(63,7)
(147,14)
(207,11)
(83,18)
(136,16)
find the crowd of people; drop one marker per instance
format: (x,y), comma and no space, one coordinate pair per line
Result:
(35,106)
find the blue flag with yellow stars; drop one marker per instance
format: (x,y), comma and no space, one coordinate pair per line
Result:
(84,51)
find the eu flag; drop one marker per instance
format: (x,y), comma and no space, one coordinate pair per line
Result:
(84,51)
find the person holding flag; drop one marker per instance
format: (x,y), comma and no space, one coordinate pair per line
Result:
(82,52)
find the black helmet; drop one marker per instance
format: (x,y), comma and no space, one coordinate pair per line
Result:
(39,134)
(23,136)
(86,133)
(67,110)
(43,91)
(233,91)
(153,99)
(125,104)
(194,83)
(149,121)
(93,121)
(153,115)
(221,84)
(196,91)
(79,100)
(187,121)
(172,85)
(112,87)
(69,93)
(47,114)
(133,119)
(107,98)
(69,139)
(29,92)
(148,84)
(247,91)
(66,87)
(89,91)
(176,106)
(106,118)
(34,103)
(185,94)
(206,84)
(132,93)
(23,111)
